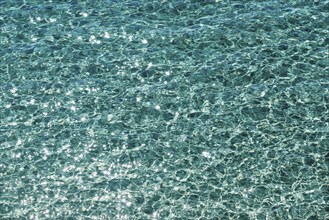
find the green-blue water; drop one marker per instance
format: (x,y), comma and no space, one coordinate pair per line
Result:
(182,109)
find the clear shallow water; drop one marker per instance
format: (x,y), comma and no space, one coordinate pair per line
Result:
(164,110)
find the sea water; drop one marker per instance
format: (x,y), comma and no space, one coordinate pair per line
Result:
(167,109)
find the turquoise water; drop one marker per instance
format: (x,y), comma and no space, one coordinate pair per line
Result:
(190,109)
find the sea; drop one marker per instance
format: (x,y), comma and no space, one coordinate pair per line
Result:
(164,109)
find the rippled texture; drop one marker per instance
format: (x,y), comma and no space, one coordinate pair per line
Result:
(190,109)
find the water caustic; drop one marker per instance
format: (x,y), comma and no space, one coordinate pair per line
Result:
(164,110)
